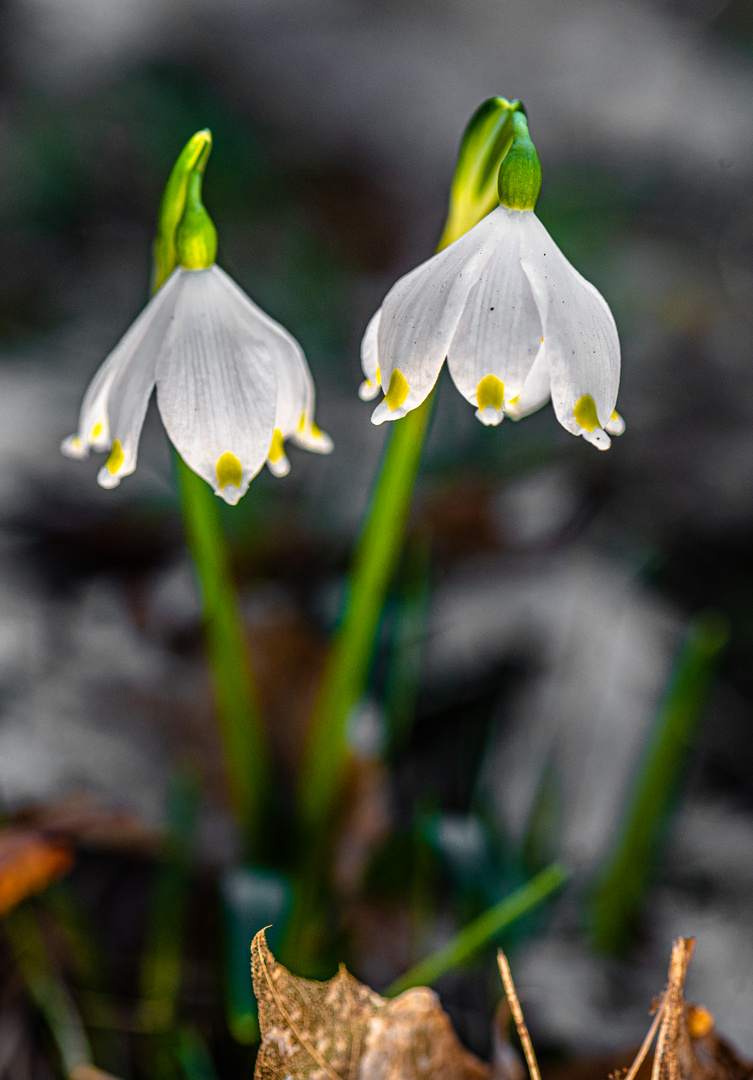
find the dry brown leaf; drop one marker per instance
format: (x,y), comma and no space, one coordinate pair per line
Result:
(80,818)
(29,862)
(687,1046)
(342,1030)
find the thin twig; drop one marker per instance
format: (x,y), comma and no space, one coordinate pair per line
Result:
(517,1012)
(633,1070)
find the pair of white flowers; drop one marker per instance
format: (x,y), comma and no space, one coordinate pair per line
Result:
(515,321)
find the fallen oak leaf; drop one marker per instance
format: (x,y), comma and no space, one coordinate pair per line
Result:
(29,862)
(342,1030)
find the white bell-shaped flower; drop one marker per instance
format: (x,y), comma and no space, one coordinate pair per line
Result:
(232,384)
(515,320)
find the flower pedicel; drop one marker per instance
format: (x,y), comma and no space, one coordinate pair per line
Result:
(516,322)
(232,384)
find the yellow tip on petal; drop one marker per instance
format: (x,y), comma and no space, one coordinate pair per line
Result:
(229,471)
(96,431)
(378,375)
(490,392)
(585,413)
(397,391)
(302,424)
(277,449)
(116,458)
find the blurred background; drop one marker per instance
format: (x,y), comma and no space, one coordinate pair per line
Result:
(553,606)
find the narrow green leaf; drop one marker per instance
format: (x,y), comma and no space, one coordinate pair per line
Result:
(618,898)
(47,989)
(483,930)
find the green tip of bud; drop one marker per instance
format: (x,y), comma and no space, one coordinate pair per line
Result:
(196,238)
(487,139)
(191,162)
(519,181)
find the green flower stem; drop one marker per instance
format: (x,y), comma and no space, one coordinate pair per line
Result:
(617,900)
(243,736)
(185,231)
(482,930)
(345,676)
(473,194)
(349,660)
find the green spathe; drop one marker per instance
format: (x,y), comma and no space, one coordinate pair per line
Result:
(485,142)
(193,158)
(520,172)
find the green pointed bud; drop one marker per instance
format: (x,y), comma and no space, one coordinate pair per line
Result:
(520,172)
(473,194)
(196,239)
(193,157)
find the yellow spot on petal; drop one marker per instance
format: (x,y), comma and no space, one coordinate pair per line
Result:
(316,431)
(615,415)
(397,391)
(116,458)
(542,341)
(277,449)
(302,424)
(75,443)
(378,375)
(700,1021)
(229,471)
(514,400)
(585,413)
(490,391)
(97,431)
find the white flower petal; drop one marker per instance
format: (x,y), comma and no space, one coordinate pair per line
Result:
(216,383)
(598,438)
(114,406)
(583,350)
(615,425)
(369,388)
(294,413)
(535,390)
(420,314)
(499,332)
